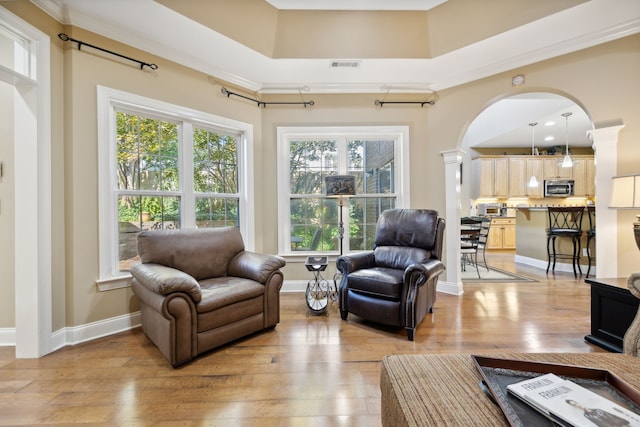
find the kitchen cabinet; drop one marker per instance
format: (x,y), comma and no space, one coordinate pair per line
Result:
(518,177)
(508,176)
(502,233)
(553,170)
(584,176)
(492,176)
(520,171)
(535,168)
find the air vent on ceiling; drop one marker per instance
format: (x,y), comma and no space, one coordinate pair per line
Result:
(345,63)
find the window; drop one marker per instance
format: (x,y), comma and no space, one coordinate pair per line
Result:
(17,52)
(310,220)
(165,167)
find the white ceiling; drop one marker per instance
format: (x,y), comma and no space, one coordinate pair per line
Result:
(506,123)
(154,28)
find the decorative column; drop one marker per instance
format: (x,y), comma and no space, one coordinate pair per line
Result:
(605,147)
(453,282)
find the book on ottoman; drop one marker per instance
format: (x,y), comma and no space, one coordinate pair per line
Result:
(569,404)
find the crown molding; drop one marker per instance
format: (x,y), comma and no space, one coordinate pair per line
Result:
(55,8)
(198,47)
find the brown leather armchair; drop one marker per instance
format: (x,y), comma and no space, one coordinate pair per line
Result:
(199,289)
(395,284)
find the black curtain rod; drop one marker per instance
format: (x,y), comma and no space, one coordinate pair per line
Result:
(227,92)
(66,38)
(381,103)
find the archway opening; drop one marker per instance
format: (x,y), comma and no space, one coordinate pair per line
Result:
(504,130)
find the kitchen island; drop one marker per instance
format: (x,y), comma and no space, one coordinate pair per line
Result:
(531,225)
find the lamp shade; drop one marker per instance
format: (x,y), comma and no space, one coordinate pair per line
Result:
(341,185)
(625,192)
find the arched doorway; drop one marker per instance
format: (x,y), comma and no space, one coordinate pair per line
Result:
(504,123)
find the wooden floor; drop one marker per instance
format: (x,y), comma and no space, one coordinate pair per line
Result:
(309,371)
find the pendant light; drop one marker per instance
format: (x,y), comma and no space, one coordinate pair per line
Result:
(567,162)
(533,182)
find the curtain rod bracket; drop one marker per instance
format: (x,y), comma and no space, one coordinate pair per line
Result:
(227,92)
(66,38)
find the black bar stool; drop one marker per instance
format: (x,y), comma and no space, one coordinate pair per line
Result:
(591,234)
(565,222)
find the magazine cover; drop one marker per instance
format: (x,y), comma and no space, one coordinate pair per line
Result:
(567,402)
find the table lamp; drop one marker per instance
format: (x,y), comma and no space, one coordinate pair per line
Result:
(341,186)
(625,194)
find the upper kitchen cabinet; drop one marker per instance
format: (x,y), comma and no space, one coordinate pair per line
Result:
(535,168)
(518,178)
(491,176)
(552,168)
(584,176)
(508,176)
(521,168)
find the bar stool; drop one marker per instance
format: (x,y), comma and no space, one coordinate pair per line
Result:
(591,234)
(564,222)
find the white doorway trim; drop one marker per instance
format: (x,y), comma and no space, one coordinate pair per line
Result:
(605,147)
(453,281)
(32,201)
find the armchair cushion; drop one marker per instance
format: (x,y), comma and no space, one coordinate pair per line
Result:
(400,257)
(379,282)
(408,227)
(222,291)
(201,253)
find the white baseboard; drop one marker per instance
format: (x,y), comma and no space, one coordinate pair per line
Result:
(79,334)
(560,266)
(7,337)
(290,286)
(91,331)
(449,287)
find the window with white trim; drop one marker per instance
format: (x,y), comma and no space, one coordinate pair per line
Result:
(376,156)
(164,166)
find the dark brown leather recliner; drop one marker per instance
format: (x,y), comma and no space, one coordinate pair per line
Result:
(199,289)
(395,284)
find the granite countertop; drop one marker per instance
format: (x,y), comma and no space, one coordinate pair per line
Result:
(538,208)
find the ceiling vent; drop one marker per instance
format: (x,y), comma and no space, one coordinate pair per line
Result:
(345,63)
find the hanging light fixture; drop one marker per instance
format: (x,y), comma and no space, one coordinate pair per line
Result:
(567,162)
(533,182)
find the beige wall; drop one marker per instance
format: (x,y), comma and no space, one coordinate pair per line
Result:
(601,79)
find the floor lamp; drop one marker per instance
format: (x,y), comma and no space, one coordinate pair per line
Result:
(341,186)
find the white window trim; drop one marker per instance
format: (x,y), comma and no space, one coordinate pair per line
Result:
(285,134)
(111,99)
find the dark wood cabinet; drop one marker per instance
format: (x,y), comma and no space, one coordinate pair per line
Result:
(613,308)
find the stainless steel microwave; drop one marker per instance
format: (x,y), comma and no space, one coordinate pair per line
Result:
(558,187)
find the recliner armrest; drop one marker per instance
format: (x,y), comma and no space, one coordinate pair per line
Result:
(255,266)
(166,280)
(429,270)
(357,261)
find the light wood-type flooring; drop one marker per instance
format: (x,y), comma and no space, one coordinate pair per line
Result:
(308,371)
